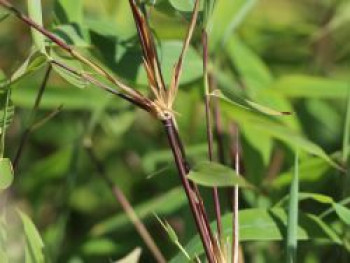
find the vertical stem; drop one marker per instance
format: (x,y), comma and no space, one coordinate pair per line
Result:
(27,131)
(236,162)
(182,170)
(128,209)
(209,128)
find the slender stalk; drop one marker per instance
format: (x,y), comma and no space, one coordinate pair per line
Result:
(34,110)
(210,138)
(127,207)
(182,170)
(236,162)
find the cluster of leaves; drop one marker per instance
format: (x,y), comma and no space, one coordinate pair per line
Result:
(263,65)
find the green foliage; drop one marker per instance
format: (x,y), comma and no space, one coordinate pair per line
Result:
(35,13)
(212,174)
(6,173)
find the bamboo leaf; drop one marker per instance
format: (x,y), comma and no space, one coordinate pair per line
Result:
(68,11)
(35,13)
(265,225)
(34,248)
(246,117)
(132,257)
(342,212)
(216,175)
(6,173)
(303,86)
(293,211)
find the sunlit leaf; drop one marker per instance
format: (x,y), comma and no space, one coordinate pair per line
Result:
(69,11)
(36,14)
(132,257)
(6,173)
(343,212)
(34,245)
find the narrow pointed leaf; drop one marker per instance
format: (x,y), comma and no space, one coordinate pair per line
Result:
(212,174)
(343,212)
(34,245)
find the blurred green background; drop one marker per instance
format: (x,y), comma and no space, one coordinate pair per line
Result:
(298,49)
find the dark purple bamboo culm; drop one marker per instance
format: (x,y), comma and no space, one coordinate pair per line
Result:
(177,151)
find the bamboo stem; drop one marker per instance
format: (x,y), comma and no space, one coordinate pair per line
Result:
(182,170)
(25,136)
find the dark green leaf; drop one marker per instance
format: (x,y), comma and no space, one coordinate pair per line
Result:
(68,11)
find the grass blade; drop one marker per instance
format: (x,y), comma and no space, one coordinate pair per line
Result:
(292,224)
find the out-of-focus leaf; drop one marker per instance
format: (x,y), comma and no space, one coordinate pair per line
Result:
(132,257)
(265,225)
(36,14)
(100,246)
(303,86)
(73,63)
(34,249)
(216,175)
(343,212)
(311,169)
(246,117)
(184,5)
(162,205)
(34,62)
(227,16)
(68,11)
(293,214)
(169,52)
(341,17)
(71,35)
(6,173)
(3,14)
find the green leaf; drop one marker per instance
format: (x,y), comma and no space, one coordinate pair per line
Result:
(265,225)
(33,63)
(184,5)
(216,175)
(226,17)
(73,63)
(169,52)
(343,212)
(165,204)
(35,13)
(293,211)
(304,86)
(6,173)
(3,13)
(100,246)
(132,257)
(68,11)
(34,249)
(246,117)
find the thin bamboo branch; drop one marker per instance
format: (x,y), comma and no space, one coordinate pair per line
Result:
(27,131)
(210,138)
(127,207)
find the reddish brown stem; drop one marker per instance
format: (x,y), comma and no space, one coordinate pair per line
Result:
(191,196)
